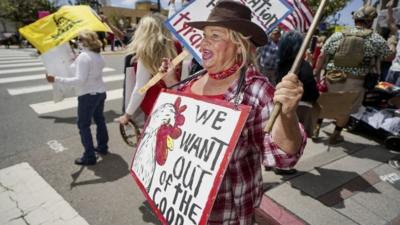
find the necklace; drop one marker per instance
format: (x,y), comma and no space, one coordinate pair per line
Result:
(225,73)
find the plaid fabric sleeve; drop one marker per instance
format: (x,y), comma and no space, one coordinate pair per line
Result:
(272,155)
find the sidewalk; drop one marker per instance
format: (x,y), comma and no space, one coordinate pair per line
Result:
(26,198)
(346,184)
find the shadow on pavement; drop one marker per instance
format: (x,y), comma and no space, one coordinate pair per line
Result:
(269,185)
(148,215)
(109,115)
(112,167)
(331,187)
(376,152)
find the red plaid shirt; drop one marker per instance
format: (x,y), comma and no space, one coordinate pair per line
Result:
(240,192)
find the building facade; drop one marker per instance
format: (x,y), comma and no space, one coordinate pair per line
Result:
(125,17)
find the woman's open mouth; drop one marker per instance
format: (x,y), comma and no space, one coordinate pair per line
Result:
(206,54)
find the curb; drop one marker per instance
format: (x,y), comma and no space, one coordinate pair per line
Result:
(272,213)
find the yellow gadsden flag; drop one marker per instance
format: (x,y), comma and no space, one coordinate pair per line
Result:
(62,26)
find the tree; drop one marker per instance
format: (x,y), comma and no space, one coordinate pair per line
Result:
(332,7)
(25,12)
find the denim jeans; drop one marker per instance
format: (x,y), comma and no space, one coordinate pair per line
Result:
(92,106)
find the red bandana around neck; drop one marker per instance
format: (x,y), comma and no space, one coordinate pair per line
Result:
(225,73)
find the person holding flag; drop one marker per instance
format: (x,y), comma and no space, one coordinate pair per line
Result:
(91,91)
(228,54)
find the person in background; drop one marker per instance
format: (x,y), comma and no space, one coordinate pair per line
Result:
(171,8)
(91,91)
(111,40)
(128,35)
(351,56)
(118,44)
(102,38)
(228,55)
(288,47)
(116,32)
(268,55)
(311,48)
(393,75)
(317,51)
(152,42)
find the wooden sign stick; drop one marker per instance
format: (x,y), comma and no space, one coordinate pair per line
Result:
(160,75)
(297,62)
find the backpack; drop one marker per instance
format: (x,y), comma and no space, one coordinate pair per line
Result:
(351,49)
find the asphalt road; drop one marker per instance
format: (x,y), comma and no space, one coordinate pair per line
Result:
(104,194)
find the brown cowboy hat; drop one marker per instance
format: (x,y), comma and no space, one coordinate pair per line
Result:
(235,16)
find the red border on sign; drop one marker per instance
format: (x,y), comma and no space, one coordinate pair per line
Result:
(244,112)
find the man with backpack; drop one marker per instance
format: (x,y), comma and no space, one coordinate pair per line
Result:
(351,56)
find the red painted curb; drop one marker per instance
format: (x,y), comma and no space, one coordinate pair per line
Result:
(272,213)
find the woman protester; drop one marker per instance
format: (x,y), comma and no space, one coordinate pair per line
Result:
(228,54)
(152,42)
(91,92)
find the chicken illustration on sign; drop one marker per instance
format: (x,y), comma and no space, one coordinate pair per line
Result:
(161,130)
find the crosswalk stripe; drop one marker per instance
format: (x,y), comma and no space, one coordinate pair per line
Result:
(28,90)
(18,61)
(17,58)
(21,78)
(31,77)
(24,191)
(21,65)
(5,54)
(34,69)
(47,87)
(68,103)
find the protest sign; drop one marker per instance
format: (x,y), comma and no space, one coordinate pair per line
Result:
(383,17)
(266,13)
(183,154)
(58,62)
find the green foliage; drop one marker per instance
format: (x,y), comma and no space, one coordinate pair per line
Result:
(26,11)
(331,8)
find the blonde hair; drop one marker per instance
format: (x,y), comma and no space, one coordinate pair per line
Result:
(90,40)
(152,42)
(247,49)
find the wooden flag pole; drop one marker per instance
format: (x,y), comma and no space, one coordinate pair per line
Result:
(160,75)
(297,62)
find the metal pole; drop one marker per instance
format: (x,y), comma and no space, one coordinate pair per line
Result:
(297,62)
